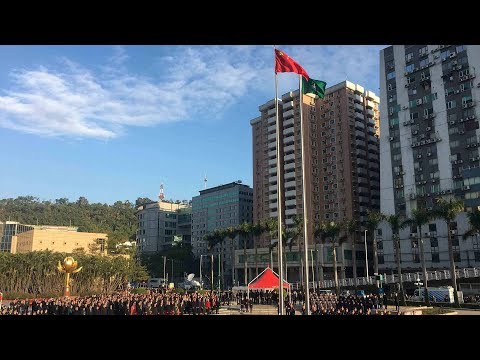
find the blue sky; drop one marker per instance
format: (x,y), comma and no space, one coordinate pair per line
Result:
(113,122)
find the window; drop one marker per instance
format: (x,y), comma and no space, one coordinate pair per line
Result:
(451,104)
(408,57)
(424,62)
(432,162)
(397,157)
(409,68)
(452,117)
(423,51)
(413,116)
(410,79)
(461,48)
(391,75)
(393,121)
(436,257)
(396,145)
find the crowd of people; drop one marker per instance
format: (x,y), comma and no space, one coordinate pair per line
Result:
(330,304)
(124,303)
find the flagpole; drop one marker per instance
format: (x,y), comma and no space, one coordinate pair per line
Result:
(304,196)
(279,204)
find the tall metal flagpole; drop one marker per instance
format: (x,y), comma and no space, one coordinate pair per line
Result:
(304,196)
(279,204)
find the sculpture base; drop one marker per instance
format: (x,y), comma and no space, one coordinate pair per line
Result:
(66,291)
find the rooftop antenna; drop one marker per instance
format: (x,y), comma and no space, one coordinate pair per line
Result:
(205,181)
(161,195)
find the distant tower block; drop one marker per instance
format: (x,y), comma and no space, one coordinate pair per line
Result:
(205,181)
(161,195)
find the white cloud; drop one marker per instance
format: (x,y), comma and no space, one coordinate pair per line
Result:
(197,82)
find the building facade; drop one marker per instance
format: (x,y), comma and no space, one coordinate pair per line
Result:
(429,145)
(341,156)
(8,229)
(221,207)
(59,239)
(162,224)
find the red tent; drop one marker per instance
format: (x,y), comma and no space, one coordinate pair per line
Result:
(267,279)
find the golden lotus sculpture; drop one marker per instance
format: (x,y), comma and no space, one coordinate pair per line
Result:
(69,266)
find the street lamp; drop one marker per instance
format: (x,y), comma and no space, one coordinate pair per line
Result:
(419,284)
(366,254)
(201,282)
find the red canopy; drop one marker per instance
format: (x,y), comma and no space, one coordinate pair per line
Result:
(267,279)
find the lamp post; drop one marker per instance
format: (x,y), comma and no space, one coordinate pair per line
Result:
(201,283)
(366,255)
(164,272)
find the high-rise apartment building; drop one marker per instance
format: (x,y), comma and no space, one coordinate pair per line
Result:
(341,156)
(429,146)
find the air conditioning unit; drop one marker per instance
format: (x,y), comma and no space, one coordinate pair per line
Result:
(478,85)
(461,132)
(453,232)
(415,132)
(419,101)
(466,187)
(405,107)
(456,91)
(434,180)
(443,192)
(422,136)
(452,122)
(425,116)
(436,56)
(422,142)
(427,234)
(413,234)
(465,105)
(432,115)
(412,196)
(419,156)
(453,54)
(429,154)
(460,161)
(454,62)
(406,73)
(428,128)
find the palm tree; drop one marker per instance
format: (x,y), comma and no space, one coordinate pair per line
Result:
(257,230)
(396,224)
(447,210)
(419,218)
(271,227)
(296,233)
(351,228)
(245,229)
(232,232)
(373,219)
(317,237)
(474,220)
(331,230)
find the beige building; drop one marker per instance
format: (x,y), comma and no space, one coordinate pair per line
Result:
(59,239)
(341,156)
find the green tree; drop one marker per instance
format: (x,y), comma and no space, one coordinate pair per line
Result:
(373,219)
(419,218)
(396,224)
(447,210)
(351,228)
(331,231)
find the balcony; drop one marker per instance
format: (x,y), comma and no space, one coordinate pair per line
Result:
(272,188)
(361,161)
(359,106)
(358,98)
(272,153)
(288,114)
(272,136)
(289,140)
(288,157)
(372,139)
(272,161)
(289,131)
(359,134)
(370,113)
(272,205)
(289,148)
(370,104)
(272,179)
(359,116)
(271,111)
(272,128)
(287,105)
(288,122)
(291,202)
(290,193)
(290,212)
(359,125)
(289,176)
(272,120)
(272,170)
(289,166)
(360,143)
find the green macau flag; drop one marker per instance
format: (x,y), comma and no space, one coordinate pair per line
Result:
(315,87)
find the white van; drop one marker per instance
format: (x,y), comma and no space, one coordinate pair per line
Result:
(441,294)
(157,283)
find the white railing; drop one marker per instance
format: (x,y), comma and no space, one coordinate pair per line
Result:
(393,278)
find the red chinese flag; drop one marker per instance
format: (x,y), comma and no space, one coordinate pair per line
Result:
(284,63)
